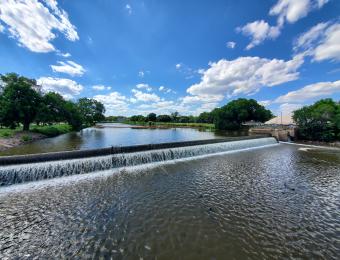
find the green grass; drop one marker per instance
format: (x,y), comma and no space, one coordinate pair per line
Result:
(172,124)
(52,130)
(6,132)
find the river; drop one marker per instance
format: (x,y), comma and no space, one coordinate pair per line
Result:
(281,201)
(115,135)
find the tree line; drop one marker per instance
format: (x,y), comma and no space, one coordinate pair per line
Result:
(232,116)
(319,122)
(22,102)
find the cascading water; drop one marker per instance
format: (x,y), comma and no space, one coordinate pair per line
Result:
(46,170)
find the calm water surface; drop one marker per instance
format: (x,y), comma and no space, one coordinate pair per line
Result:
(269,203)
(104,137)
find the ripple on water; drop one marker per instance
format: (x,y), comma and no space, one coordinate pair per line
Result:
(267,203)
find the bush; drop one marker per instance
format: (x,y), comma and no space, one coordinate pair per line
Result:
(26,138)
(53,130)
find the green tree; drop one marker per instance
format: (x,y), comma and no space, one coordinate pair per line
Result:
(152,117)
(20,100)
(237,112)
(164,118)
(319,122)
(138,118)
(52,109)
(91,110)
(174,116)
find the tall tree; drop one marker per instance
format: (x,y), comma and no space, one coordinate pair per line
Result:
(20,100)
(237,112)
(319,122)
(91,110)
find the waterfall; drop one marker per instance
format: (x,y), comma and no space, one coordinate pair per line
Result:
(46,170)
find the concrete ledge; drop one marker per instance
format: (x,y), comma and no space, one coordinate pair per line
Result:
(67,155)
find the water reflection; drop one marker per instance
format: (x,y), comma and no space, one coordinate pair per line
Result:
(104,137)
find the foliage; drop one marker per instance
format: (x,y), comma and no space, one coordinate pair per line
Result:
(23,103)
(152,117)
(26,138)
(237,112)
(92,111)
(164,118)
(52,130)
(19,101)
(319,122)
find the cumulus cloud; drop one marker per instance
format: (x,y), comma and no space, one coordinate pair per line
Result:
(65,87)
(258,31)
(100,87)
(145,97)
(231,45)
(245,75)
(144,86)
(293,10)
(166,90)
(287,11)
(69,67)
(178,65)
(310,92)
(34,23)
(202,99)
(115,103)
(322,42)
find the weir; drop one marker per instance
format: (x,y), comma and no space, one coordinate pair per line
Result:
(21,169)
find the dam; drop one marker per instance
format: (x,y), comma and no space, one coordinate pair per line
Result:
(246,198)
(20,169)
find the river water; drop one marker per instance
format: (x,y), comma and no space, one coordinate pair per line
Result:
(275,202)
(115,135)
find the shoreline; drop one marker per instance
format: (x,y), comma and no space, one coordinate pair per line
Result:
(19,138)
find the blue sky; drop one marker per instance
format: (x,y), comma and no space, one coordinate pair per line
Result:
(164,56)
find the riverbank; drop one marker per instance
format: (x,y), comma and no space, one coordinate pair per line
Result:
(172,124)
(10,138)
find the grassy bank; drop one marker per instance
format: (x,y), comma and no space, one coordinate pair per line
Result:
(48,130)
(172,124)
(52,130)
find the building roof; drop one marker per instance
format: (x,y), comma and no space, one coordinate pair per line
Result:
(286,120)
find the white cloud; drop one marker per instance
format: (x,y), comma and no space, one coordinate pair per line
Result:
(144,86)
(65,87)
(128,8)
(166,90)
(259,31)
(322,42)
(231,45)
(65,55)
(293,10)
(288,108)
(310,92)
(1,28)
(287,11)
(145,97)
(245,75)
(69,67)
(115,103)
(141,74)
(178,66)
(202,99)
(100,87)
(34,24)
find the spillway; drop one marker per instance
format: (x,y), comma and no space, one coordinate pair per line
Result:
(28,172)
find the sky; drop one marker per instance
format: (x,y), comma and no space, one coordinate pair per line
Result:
(163,56)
